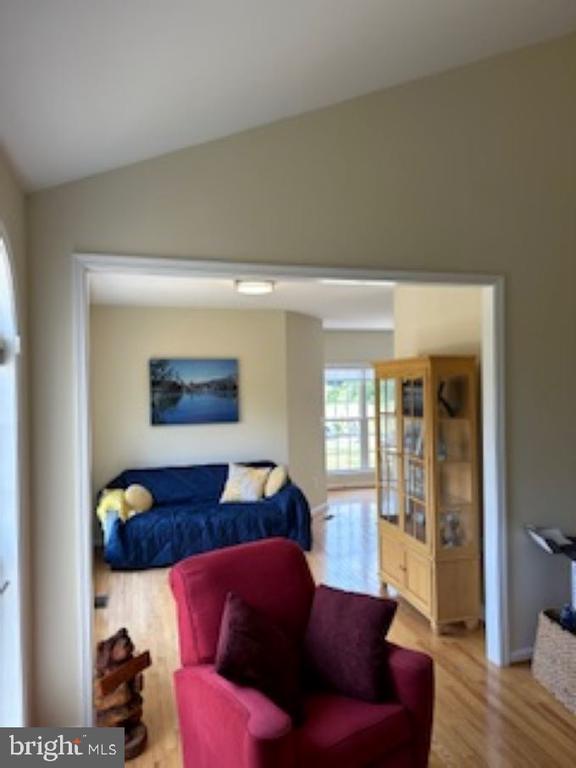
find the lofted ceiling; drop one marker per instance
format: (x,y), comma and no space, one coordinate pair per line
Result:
(350,306)
(90,85)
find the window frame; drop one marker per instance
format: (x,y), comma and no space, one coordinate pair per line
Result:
(363,418)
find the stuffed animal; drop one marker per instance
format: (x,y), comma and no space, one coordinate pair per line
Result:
(138,498)
(123,504)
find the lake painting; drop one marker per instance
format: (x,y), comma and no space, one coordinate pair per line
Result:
(193,391)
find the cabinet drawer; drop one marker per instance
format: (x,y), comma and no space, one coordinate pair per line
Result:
(419,578)
(393,560)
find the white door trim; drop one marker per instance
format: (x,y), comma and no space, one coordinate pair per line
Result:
(82,475)
(493,382)
(496,583)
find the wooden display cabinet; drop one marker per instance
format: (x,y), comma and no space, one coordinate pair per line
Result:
(428,485)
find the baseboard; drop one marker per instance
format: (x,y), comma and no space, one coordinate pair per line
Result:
(336,481)
(319,509)
(521,654)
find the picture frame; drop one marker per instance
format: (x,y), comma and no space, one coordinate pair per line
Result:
(189,390)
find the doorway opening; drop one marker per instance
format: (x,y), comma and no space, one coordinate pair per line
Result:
(12,699)
(491,287)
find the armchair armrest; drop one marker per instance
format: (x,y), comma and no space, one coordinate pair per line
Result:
(412,675)
(223,724)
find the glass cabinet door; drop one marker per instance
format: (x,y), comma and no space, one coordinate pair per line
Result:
(414,464)
(389,454)
(454,454)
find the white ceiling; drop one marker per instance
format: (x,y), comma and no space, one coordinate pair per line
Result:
(89,85)
(351,307)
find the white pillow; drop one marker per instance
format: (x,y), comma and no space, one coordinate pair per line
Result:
(244,483)
(277,479)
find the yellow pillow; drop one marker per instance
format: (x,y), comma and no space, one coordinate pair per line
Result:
(138,498)
(277,479)
(244,483)
(113,500)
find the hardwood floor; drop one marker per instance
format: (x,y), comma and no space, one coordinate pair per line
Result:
(485,716)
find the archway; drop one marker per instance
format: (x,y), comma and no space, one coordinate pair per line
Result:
(11,657)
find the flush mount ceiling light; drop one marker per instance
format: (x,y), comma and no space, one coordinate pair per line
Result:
(254,287)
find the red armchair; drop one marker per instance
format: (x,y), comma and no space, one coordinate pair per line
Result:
(223,725)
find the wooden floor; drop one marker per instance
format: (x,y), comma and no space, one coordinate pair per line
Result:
(484,716)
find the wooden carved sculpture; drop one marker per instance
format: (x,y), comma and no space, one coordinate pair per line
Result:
(117,690)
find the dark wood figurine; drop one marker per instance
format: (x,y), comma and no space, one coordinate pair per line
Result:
(117,690)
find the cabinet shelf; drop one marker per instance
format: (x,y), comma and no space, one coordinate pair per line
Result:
(452,502)
(427,464)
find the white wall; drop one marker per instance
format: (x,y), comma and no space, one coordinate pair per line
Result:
(123,339)
(305,392)
(357,346)
(436,319)
(472,170)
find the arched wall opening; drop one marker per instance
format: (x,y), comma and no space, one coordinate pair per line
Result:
(12,699)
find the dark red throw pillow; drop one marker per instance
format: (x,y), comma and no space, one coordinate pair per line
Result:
(345,649)
(254,651)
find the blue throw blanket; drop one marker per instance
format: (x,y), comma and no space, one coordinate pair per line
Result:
(187,518)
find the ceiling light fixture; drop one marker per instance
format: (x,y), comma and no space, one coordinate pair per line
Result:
(254,287)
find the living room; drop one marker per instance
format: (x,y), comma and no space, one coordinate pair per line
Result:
(340,327)
(451,155)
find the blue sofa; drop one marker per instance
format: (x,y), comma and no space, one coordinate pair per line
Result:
(187,517)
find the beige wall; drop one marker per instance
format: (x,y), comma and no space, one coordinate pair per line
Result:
(472,170)
(305,392)
(280,368)
(357,346)
(437,319)
(123,339)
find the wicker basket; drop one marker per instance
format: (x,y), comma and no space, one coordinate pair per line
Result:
(554,661)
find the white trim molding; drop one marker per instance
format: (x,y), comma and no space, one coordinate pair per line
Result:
(356,478)
(180,267)
(318,510)
(81,339)
(521,654)
(494,456)
(494,476)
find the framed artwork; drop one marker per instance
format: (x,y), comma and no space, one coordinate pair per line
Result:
(193,391)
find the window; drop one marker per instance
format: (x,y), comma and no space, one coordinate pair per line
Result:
(349,421)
